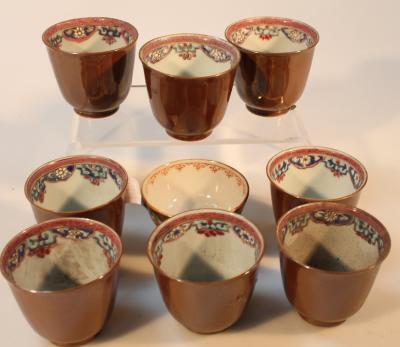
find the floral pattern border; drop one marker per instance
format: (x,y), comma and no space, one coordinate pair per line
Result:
(82,33)
(188,51)
(199,166)
(330,217)
(336,166)
(207,228)
(267,32)
(40,245)
(94,173)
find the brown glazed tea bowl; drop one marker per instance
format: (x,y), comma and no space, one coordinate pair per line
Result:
(189,184)
(85,186)
(205,262)
(276,56)
(63,274)
(330,255)
(309,174)
(189,80)
(92,59)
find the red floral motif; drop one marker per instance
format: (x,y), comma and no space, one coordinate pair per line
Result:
(265,37)
(40,251)
(109,39)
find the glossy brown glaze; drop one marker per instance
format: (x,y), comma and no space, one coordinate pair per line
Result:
(189,108)
(323,297)
(70,316)
(95,84)
(271,83)
(206,307)
(111,213)
(283,201)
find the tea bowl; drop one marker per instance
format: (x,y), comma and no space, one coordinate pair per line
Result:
(63,274)
(189,184)
(85,186)
(276,56)
(93,60)
(189,79)
(330,254)
(308,174)
(205,262)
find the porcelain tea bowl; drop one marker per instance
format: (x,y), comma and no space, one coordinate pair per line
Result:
(93,60)
(189,184)
(205,262)
(63,274)
(189,79)
(276,57)
(85,186)
(308,174)
(330,255)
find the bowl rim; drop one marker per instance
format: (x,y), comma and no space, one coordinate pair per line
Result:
(209,161)
(283,19)
(354,211)
(157,269)
(54,222)
(55,27)
(233,66)
(318,148)
(76,159)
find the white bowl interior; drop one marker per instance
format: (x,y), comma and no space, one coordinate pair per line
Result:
(61,257)
(206,247)
(189,56)
(186,185)
(319,174)
(91,36)
(271,36)
(331,240)
(76,187)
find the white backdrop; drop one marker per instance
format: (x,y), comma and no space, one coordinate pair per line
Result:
(351,102)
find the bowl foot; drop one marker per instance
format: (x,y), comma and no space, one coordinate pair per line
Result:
(79,343)
(269,113)
(319,323)
(101,114)
(189,137)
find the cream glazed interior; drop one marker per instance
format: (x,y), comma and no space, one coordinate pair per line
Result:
(90,35)
(205,245)
(272,35)
(189,55)
(76,184)
(190,184)
(333,237)
(61,254)
(316,173)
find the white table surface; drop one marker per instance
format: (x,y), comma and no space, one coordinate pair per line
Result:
(351,102)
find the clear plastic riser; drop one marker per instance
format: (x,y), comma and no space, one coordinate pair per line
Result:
(134,125)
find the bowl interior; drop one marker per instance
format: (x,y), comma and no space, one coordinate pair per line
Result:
(61,254)
(206,246)
(191,184)
(333,238)
(317,173)
(90,35)
(272,35)
(75,184)
(189,55)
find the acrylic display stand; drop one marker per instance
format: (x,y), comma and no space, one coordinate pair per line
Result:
(134,125)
